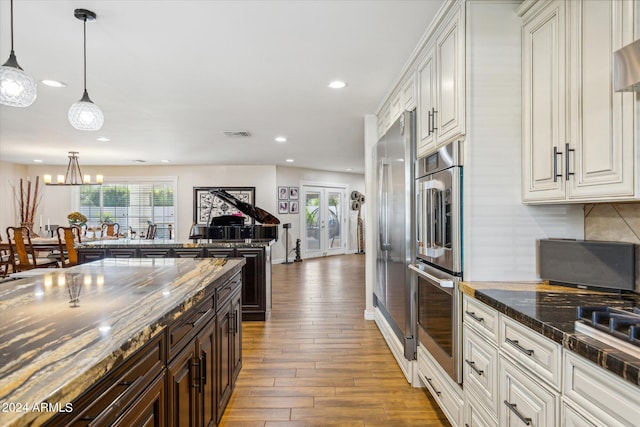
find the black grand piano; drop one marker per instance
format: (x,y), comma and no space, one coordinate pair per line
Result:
(231,227)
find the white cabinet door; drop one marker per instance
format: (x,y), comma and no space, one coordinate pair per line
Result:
(543,95)
(450,81)
(524,401)
(602,128)
(426,103)
(408,92)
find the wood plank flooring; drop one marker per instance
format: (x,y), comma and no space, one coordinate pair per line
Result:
(317,362)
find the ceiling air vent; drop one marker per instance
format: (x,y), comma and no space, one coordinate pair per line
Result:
(237,133)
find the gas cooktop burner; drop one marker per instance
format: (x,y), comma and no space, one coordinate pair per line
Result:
(618,328)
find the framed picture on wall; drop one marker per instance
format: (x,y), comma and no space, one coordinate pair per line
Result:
(283,193)
(293,193)
(283,207)
(293,207)
(207,206)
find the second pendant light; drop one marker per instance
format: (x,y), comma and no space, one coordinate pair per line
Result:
(84,114)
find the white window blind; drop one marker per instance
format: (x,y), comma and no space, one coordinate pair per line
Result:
(133,205)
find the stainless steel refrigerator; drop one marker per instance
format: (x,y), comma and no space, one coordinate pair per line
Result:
(394,292)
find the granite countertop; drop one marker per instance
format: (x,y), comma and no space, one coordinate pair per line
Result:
(52,349)
(165,244)
(551,311)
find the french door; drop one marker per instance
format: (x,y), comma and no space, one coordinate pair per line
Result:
(324,221)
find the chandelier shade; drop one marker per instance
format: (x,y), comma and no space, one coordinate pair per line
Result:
(17,88)
(73,175)
(84,114)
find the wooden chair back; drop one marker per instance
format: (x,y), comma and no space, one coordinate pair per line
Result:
(67,238)
(110,229)
(21,248)
(151,231)
(6,261)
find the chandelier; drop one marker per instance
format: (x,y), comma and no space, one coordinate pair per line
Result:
(74,174)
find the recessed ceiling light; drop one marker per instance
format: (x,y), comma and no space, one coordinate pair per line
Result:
(349,169)
(289,160)
(54,83)
(337,84)
(37,161)
(281,139)
(164,161)
(103,139)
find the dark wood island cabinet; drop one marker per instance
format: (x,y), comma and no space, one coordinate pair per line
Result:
(256,279)
(170,358)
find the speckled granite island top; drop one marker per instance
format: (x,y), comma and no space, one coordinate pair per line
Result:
(62,331)
(166,244)
(551,311)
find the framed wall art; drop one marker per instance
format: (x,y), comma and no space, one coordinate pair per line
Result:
(283,193)
(283,207)
(293,193)
(207,206)
(293,207)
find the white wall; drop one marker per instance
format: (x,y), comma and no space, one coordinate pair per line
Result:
(10,175)
(288,177)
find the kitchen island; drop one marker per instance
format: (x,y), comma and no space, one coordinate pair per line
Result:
(115,340)
(256,280)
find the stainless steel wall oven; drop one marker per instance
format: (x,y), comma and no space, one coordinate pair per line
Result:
(438,266)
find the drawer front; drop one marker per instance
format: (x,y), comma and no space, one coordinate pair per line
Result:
(572,418)
(481,317)
(112,395)
(438,383)
(184,328)
(523,400)
(537,353)
(480,364)
(223,292)
(604,395)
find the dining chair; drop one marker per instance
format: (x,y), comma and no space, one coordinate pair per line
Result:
(22,253)
(151,231)
(67,239)
(110,229)
(6,262)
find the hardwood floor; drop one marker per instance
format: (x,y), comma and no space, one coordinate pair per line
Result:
(317,362)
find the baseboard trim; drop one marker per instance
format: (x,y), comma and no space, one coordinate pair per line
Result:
(369,315)
(397,349)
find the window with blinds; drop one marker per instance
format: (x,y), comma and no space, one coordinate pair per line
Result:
(132,205)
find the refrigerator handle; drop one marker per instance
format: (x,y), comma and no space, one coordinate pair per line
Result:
(383,205)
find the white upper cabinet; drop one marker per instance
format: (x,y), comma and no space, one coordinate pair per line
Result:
(441,85)
(578,134)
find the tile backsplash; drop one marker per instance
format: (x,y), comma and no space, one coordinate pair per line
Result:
(616,222)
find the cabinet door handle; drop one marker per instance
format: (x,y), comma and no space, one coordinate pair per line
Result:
(472,314)
(231,323)
(125,383)
(429,122)
(195,362)
(203,378)
(566,161)
(473,366)
(433,387)
(235,321)
(434,119)
(555,164)
(514,409)
(516,344)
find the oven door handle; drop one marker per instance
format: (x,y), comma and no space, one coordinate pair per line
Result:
(441,282)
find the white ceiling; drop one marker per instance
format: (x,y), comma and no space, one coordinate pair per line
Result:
(171,76)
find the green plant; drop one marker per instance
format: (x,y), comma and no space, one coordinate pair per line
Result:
(77,217)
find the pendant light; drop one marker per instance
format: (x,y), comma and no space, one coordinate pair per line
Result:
(17,88)
(84,114)
(74,174)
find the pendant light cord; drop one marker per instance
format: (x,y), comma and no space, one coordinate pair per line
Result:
(11,26)
(85,53)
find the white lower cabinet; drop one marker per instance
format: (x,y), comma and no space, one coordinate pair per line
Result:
(524,401)
(475,414)
(444,390)
(604,397)
(571,417)
(480,369)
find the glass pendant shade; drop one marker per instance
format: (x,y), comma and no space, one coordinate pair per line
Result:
(85,115)
(17,88)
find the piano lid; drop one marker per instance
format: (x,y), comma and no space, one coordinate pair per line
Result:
(254,212)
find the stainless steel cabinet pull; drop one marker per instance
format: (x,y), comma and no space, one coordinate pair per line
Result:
(430,121)
(472,314)
(433,387)
(555,164)
(519,347)
(566,161)
(434,119)
(203,377)
(514,409)
(473,366)
(196,364)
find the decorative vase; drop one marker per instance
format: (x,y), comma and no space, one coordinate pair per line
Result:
(29,225)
